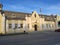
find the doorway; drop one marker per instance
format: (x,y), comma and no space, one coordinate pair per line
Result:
(35,27)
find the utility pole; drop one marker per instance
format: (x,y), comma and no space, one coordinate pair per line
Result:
(40,10)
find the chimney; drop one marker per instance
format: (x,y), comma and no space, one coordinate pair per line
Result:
(1,7)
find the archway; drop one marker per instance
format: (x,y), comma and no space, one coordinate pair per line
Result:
(35,27)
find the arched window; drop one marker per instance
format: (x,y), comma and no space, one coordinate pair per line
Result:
(35,15)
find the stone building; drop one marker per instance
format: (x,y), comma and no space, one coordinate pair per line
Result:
(16,22)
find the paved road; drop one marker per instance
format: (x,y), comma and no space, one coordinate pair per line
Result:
(35,38)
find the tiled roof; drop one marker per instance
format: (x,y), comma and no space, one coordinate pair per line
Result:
(16,15)
(21,16)
(48,17)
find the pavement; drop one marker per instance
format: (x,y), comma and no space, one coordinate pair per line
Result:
(32,38)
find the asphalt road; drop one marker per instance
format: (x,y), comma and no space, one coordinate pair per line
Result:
(34,38)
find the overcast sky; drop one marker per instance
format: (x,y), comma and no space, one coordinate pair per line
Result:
(47,6)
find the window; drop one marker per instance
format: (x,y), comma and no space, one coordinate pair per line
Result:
(42,25)
(21,25)
(16,25)
(47,25)
(10,26)
(52,25)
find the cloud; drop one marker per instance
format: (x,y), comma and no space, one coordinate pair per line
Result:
(53,9)
(46,9)
(19,8)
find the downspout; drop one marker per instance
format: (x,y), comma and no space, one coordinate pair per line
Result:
(5,25)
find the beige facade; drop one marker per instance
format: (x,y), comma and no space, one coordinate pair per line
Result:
(2,21)
(16,22)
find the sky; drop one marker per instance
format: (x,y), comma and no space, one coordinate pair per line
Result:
(28,6)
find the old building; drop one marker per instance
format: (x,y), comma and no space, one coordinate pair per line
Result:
(16,22)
